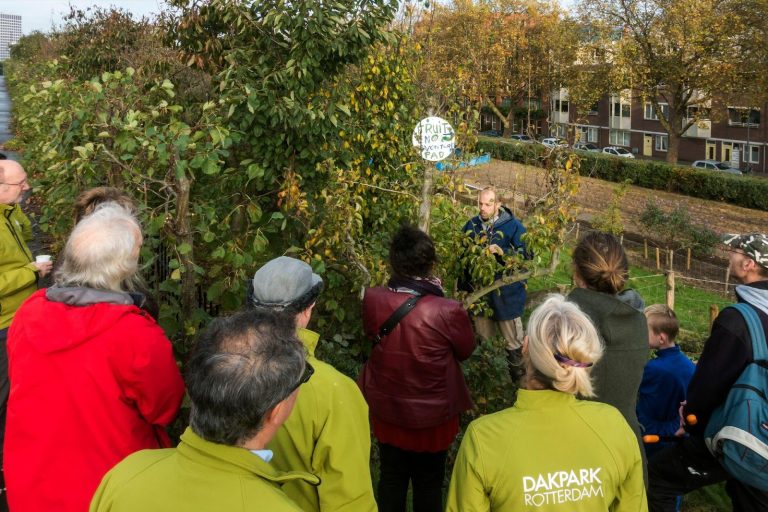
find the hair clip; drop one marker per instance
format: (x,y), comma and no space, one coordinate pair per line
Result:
(570,362)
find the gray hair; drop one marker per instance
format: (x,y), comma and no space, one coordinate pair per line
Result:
(102,250)
(241,368)
(560,327)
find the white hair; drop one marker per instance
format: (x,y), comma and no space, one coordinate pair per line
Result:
(102,250)
(560,327)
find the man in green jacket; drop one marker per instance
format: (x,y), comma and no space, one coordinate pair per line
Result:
(243,379)
(18,272)
(328,433)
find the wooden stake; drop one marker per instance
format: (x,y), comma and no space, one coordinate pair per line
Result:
(658,259)
(727,277)
(688,261)
(645,248)
(671,257)
(578,225)
(671,289)
(713,312)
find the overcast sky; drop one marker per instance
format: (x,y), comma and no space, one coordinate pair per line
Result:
(43,14)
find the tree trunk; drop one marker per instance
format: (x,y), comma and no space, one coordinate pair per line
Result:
(673,147)
(425,207)
(510,127)
(498,113)
(183,230)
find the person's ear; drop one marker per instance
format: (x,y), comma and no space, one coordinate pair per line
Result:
(280,412)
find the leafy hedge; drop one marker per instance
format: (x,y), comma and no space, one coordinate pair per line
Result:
(739,190)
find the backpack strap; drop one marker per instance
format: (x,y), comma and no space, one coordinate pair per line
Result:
(394,319)
(759,350)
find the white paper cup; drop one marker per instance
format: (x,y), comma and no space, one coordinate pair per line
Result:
(42,258)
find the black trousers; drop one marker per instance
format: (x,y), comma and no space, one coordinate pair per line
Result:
(399,467)
(689,466)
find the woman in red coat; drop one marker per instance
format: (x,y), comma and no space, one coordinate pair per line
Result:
(413,382)
(93,377)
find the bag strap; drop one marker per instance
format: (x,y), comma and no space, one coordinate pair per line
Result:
(759,350)
(394,319)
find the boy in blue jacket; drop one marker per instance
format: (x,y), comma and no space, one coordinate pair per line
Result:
(665,379)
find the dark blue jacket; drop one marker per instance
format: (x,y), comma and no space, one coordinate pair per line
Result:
(508,301)
(664,385)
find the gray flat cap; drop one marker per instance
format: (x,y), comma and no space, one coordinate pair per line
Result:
(282,281)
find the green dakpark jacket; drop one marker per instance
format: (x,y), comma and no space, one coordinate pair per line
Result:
(18,275)
(548,453)
(327,434)
(197,476)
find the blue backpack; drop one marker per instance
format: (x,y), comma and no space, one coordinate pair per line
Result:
(737,432)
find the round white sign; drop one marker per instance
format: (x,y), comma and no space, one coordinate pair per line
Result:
(435,137)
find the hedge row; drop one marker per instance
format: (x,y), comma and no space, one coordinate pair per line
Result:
(743,191)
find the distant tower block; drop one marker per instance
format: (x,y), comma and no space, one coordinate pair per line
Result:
(10,33)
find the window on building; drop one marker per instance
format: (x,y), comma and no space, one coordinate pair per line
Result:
(618,137)
(561,106)
(652,114)
(662,142)
(619,109)
(587,134)
(751,155)
(700,113)
(593,110)
(560,130)
(742,116)
(649,113)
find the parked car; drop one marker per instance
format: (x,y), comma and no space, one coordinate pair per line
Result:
(586,146)
(490,133)
(554,142)
(521,137)
(618,151)
(714,165)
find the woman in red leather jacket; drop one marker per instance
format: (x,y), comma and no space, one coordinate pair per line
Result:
(413,382)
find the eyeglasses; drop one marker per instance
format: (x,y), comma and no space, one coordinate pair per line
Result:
(21,183)
(309,370)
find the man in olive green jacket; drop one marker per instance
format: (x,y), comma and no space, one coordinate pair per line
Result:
(243,379)
(328,433)
(18,272)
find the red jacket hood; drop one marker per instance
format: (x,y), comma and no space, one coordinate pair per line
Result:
(74,325)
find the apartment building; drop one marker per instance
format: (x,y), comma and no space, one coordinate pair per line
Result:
(735,134)
(10,33)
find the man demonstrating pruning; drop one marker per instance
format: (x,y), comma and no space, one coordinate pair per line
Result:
(497,228)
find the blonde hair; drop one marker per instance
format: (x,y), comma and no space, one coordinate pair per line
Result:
(101,251)
(558,328)
(662,319)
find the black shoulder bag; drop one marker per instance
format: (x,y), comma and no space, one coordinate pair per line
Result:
(394,319)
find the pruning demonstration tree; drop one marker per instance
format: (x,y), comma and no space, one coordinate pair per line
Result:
(244,132)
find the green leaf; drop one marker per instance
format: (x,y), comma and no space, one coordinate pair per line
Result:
(184,248)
